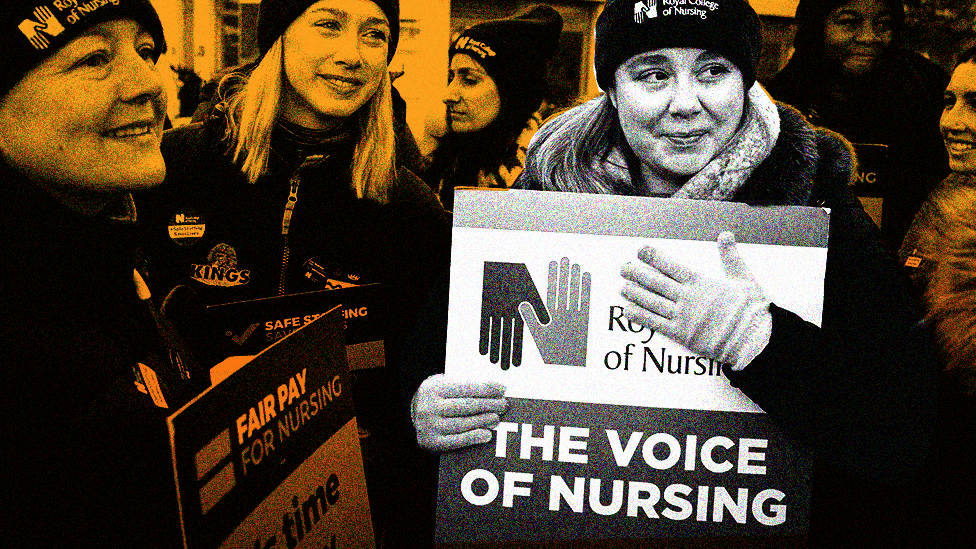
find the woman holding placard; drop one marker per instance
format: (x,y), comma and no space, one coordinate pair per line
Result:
(682,117)
(292,185)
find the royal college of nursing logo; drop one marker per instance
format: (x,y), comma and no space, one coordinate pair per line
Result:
(645,10)
(510,301)
(46,25)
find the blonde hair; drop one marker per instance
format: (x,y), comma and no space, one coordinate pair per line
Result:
(254,105)
(581,150)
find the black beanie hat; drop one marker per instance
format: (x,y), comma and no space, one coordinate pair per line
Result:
(274,17)
(34,29)
(626,28)
(515,52)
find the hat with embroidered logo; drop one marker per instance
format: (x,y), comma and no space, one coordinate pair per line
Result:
(514,51)
(275,16)
(626,28)
(34,30)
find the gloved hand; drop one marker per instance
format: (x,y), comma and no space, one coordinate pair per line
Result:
(449,413)
(726,319)
(563,339)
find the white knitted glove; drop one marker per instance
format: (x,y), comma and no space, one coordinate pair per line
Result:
(726,319)
(449,413)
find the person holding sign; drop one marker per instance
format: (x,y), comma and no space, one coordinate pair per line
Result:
(82,108)
(850,73)
(496,84)
(682,117)
(292,185)
(939,250)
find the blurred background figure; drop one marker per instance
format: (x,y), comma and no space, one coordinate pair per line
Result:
(850,73)
(189,93)
(497,80)
(940,253)
(682,118)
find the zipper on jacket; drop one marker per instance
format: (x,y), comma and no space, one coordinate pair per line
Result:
(296,179)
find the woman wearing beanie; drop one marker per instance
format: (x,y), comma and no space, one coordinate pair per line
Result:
(496,85)
(86,462)
(682,117)
(295,178)
(850,73)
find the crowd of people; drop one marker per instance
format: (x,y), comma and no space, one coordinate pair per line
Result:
(303,158)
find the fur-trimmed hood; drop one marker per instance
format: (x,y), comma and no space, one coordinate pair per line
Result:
(801,167)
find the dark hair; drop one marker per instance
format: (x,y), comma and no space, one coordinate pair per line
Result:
(811,20)
(460,156)
(968,56)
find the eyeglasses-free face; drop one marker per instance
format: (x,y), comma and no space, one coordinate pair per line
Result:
(471,97)
(678,107)
(857,33)
(88,120)
(334,59)
(958,122)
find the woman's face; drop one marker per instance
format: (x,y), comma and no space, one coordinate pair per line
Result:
(857,33)
(88,120)
(958,122)
(335,58)
(472,97)
(678,107)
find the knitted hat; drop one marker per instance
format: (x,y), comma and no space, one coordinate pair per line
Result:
(515,52)
(626,28)
(274,16)
(34,29)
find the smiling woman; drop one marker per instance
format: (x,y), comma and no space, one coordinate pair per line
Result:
(291,185)
(682,117)
(849,72)
(81,115)
(87,122)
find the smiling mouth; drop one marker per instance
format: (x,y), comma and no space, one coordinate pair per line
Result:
(136,129)
(959,147)
(684,140)
(342,84)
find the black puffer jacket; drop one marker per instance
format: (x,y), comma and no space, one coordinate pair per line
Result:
(400,245)
(86,456)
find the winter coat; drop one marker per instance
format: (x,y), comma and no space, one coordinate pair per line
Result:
(919,248)
(898,104)
(86,456)
(243,255)
(940,254)
(859,392)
